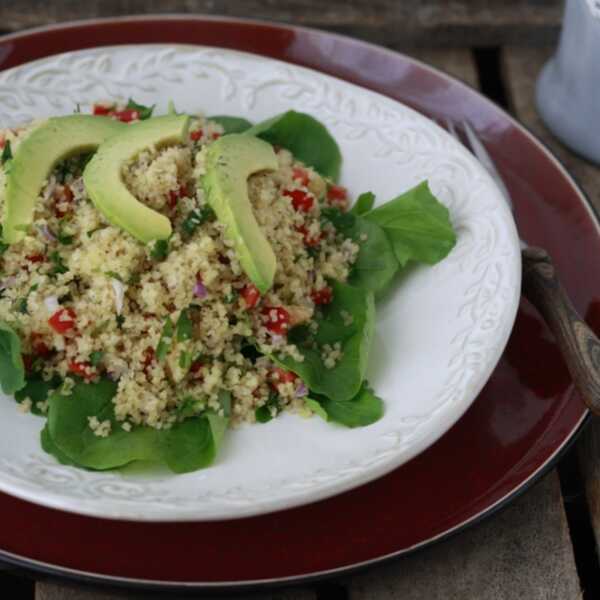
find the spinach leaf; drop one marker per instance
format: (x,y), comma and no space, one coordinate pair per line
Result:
(50,447)
(12,370)
(343,381)
(231,124)
(37,390)
(364,409)
(364,203)
(145,112)
(305,137)
(417,225)
(316,407)
(263,413)
(376,265)
(187,446)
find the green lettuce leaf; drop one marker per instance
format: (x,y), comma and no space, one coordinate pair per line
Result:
(344,380)
(231,124)
(306,138)
(363,409)
(417,225)
(364,203)
(12,370)
(187,446)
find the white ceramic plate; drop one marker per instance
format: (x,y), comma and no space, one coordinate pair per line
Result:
(438,337)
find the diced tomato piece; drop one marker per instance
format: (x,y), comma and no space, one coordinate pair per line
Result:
(127,115)
(216,136)
(300,175)
(83,369)
(196,135)
(337,192)
(301,201)
(279,375)
(175,195)
(62,320)
(277,319)
(251,295)
(102,110)
(309,240)
(38,345)
(35,258)
(322,296)
(2,142)
(196,370)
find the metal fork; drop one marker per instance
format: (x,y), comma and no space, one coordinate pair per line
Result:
(578,343)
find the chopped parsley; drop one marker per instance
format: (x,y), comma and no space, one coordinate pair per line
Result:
(3,246)
(185,360)
(58,264)
(196,217)
(120,320)
(22,302)
(263,413)
(113,275)
(166,337)
(145,112)
(185,327)
(160,250)
(6,153)
(96,357)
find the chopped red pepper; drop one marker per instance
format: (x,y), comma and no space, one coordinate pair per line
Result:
(62,320)
(175,195)
(2,142)
(311,241)
(322,296)
(216,136)
(277,319)
(300,175)
(337,196)
(83,369)
(251,295)
(281,376)
(102,110)
(195,369)
(127,115)
(35,258)
(196,135)
(301,201)
(38,345)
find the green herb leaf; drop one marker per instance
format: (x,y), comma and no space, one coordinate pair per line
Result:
(57,262)
(316,407)
(263,414)
(6,153)
(3,247)
(113,275)
(417,225)
(160,250)
(363,204)
(187,446)
(96,357)
(231,124)
(12,370)
(225,402)
(363,409)
(166,338)
(185,360)
(38,390)
(185,327)
(343,381)
(305,137)
(145,112)
(196,217)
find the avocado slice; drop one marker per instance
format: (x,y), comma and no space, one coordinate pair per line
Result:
(104,182)
(57,139)
(229,162)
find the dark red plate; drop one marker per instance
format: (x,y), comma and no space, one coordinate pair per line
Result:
(521,421)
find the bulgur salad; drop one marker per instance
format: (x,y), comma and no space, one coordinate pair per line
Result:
(166,278)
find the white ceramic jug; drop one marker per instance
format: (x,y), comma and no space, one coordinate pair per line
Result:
(568,89)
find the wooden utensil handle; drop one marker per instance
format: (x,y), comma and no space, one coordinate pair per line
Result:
(579,345)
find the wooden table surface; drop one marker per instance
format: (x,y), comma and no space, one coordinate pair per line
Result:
(544,545)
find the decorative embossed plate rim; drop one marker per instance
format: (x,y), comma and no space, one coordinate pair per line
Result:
(533,175)
(445,351)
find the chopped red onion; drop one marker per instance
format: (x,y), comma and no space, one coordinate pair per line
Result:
(119,290)
(47,233)
(51,303)
(301,391)
(200,290)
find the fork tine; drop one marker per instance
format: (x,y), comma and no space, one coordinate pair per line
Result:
(485,159)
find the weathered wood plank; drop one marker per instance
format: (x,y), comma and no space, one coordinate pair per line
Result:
(388,22)
(56,591)
(522,552)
